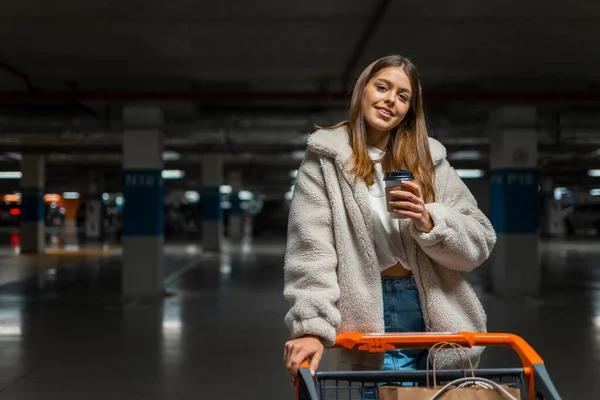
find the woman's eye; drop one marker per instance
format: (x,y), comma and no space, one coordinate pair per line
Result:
(382,88)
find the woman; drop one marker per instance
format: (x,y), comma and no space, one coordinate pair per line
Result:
(349,267)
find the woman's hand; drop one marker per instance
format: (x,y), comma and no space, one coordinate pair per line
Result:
(409,203)
(298,350)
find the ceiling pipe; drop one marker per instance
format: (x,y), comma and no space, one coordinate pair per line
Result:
(244,148)
(362,43)
(24,77)
(224,97)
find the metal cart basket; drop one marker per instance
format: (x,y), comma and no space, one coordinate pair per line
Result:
(532,379)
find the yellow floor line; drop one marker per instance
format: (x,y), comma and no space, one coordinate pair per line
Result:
(75,252)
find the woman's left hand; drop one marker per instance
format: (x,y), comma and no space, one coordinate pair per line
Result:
(409,203)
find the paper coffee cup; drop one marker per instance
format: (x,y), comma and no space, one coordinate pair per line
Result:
(393,182)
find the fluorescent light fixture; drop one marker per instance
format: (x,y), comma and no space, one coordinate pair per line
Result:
(105,196)
(170,155)
(595,192)
(470,173)
(245,195)
(294,174)
(192,196)
(70,195)
(594,172)
(14,156)
(10,330)
(10,174)
(465,155)
(225,205)
(172,174)
(51,197)
(12,198)
(225,189)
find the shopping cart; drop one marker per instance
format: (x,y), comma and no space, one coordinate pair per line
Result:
(532,379)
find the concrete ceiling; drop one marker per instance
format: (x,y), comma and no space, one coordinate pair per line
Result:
(251,79)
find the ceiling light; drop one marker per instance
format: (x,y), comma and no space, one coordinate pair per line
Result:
(51,197)
(245,195)
(225,189)
(70,195)
(465,155)
(10,174)
(594,172)
(470,173)
(172,174)
(170,155)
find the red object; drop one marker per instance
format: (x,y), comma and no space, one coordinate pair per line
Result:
(14,239)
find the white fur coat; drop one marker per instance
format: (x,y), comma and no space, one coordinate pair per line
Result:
(332,280)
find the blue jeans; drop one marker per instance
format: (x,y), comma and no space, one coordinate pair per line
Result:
(401,313)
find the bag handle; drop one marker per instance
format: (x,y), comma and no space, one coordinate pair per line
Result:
(494,385)
(457,347)
(439,346)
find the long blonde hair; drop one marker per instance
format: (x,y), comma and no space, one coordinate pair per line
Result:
(408,144)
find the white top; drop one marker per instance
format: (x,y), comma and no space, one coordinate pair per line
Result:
(386,231)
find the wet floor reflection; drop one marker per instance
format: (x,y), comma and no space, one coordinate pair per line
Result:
(68,238)
(66,334)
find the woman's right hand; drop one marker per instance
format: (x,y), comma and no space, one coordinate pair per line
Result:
(298,350)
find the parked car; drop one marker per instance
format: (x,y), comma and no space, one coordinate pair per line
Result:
(9,213)
(583,218)
(55,215)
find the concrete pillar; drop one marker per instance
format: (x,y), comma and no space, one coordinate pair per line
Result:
(32,217)
(236,215)
(514,201)
(210,202)
(94,209)
(143,213)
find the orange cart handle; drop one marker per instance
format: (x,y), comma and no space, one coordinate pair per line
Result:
(383,342)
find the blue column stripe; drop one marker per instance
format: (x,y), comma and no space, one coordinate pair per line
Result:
(32,204)
(210,204)
(143,209)
(514,200)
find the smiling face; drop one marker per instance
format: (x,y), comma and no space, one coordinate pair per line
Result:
(386,100)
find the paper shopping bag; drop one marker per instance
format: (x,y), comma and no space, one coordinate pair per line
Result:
(406,393)
(451,393)
(467,388)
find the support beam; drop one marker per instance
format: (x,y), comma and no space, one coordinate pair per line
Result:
(33,216)
(143,214)
(514,205)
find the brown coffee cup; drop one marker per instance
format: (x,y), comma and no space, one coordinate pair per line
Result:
(393,182)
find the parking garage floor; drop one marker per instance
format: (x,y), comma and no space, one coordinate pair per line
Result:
(219,332)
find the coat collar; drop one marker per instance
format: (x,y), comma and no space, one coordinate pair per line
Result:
(336,144)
